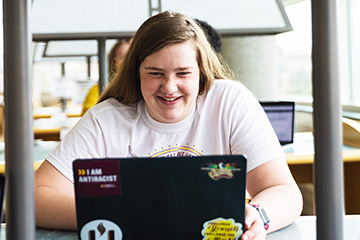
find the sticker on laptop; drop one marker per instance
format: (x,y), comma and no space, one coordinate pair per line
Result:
(221,170)
(100,229)
(97,178)
(222,229)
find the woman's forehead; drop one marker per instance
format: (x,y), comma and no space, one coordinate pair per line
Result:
(179,53)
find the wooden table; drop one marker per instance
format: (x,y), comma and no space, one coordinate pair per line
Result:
(48,112)
(301,157)
(52,129)
(305,229)
(51,122)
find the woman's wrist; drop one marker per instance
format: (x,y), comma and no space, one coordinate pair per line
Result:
(264,217)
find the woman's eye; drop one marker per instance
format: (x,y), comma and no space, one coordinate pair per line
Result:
(155,74)
(184,74)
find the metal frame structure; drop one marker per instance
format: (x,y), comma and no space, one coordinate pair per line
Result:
(155,6)
(20,216)
(20,210)
(328,163)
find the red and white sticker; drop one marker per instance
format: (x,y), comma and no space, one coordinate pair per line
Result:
(97,178)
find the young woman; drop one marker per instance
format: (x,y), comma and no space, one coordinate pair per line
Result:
(172,91)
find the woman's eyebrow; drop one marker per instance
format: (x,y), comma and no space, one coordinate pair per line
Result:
(160,69)
(183,68)
(154,69)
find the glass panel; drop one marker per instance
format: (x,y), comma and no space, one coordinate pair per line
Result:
(69,50)
(72,48)
(83,16)
(91,16)
(355,50)
(295,54)
(231,14)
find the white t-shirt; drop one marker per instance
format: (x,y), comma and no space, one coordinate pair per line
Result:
(228,120)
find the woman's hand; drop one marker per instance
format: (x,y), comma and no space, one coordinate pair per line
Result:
(253,224)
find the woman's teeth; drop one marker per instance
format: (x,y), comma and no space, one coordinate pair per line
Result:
(170,99)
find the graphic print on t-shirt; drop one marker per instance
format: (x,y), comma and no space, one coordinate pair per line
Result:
(176,151)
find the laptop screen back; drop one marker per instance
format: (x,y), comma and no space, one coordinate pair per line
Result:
(160,198)
(281,116)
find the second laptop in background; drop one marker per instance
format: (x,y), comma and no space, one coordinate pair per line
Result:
(282,118)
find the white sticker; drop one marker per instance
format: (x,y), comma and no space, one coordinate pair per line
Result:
(100,229)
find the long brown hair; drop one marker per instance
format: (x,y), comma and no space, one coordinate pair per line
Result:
(155,33)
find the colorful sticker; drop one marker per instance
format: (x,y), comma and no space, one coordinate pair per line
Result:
(97,178)
(220,170)
(100,229)
(222,229)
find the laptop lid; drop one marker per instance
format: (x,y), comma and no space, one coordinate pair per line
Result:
(160,198)
(281,116)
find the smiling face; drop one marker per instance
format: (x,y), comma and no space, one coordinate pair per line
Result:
(169,81)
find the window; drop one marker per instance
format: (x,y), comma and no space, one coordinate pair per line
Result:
(354,51)
(295,53)
(49,83)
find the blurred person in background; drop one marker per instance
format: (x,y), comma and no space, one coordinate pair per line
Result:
(115,58)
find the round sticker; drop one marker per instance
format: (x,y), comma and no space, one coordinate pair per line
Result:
(100,229)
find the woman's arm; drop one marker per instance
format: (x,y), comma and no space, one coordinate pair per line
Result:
(272,186)
(54,199)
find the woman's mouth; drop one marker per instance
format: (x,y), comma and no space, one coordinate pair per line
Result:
(170,100)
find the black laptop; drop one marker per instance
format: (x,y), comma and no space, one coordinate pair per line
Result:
(160,198)
(281,116)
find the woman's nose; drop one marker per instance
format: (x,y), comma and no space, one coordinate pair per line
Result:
(169,85)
